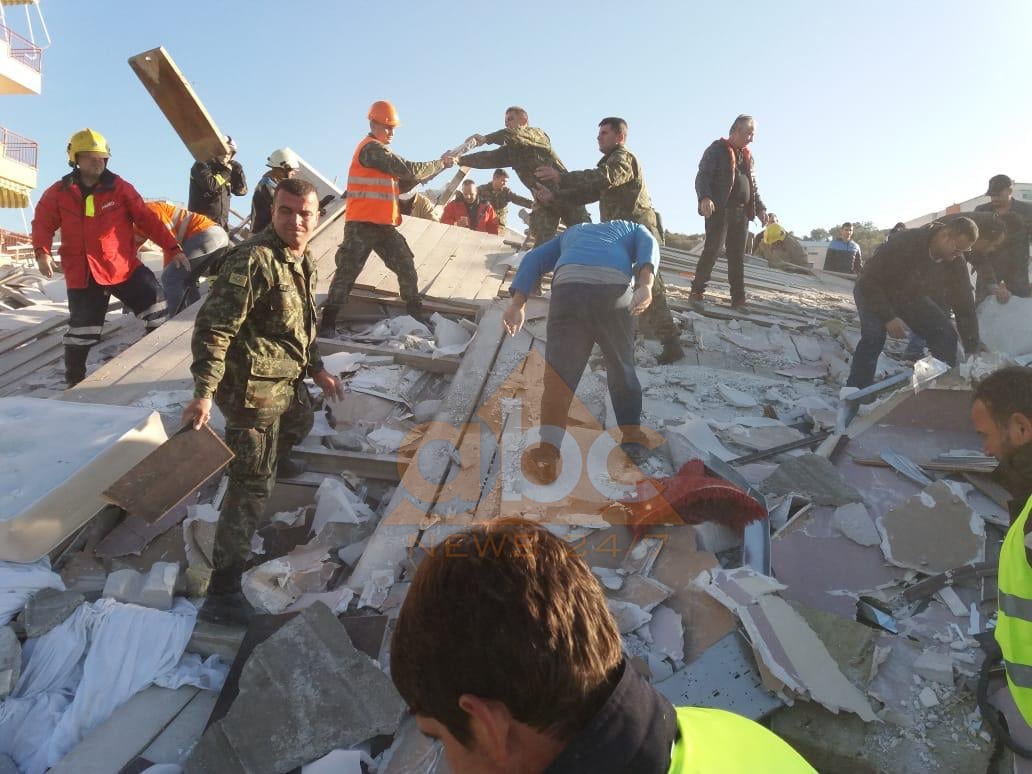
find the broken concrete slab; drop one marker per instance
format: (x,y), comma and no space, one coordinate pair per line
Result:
(639,590)
(10,660)
(935,665)
(763,437)
(813,476)
(855,523)
(326,694)
(932,532)
(48,608)
(667,633)
(628,615)
(789,648)
(737,398)
(154,588)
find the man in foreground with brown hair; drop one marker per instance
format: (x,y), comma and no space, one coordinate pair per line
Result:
(506,652)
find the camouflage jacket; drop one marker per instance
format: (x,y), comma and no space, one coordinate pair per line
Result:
(617,184)
(255,332)
(409,173)
(500,198)
(524,149)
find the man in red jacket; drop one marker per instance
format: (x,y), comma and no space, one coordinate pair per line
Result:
(470,211)
(96,211)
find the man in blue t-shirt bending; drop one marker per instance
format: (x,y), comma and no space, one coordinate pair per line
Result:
(602,277)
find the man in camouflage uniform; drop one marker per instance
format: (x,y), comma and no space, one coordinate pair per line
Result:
(498,194)
(361,237)
(253,344)
(618,184)
(525,148)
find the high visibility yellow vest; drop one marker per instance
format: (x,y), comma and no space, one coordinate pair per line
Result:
(372,194)
(717,742)
(1014,619)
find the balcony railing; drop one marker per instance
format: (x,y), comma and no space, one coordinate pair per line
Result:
(18,148)
(22,49)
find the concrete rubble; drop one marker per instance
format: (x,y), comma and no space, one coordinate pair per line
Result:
(326,695)
(47,609)
(155,588)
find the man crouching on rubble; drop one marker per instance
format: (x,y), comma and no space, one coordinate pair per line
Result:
(253,344)
(1002,414)
(602,277)
(506,652)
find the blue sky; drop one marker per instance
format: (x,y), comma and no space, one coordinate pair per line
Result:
(877,110)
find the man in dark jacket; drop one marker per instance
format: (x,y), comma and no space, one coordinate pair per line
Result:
(1008,266)
(728,200)
(897,287)
(212,182)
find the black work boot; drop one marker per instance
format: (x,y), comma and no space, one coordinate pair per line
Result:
(414,309)
(672,351)
(226,603)
(288,467)
(75,364)
(328,322)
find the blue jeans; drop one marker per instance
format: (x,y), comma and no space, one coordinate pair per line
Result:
(579,317)
(196,248)
(922,315)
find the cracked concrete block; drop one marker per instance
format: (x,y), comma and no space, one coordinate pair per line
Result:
(304,692)
(813,476)
(936,666)
(10,660)
(154,589)
(48,608)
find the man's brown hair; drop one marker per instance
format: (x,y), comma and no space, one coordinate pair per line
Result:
(521,112)
(615,123)
(963,227)
(297,186)
(507,612)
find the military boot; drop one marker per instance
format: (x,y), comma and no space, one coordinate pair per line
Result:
(75,364)
(226,603)
(415,310)
(328,322)
(672,351)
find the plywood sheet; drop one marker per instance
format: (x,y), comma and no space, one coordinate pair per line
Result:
(182,107)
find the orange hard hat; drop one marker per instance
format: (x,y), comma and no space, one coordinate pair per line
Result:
(383,112)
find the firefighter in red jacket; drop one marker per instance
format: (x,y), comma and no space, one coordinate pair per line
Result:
(96,211)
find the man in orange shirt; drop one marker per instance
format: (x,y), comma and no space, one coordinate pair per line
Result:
(200,236)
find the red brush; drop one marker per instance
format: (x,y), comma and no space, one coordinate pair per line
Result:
(692,496)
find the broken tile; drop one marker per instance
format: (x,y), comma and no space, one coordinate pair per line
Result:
(692,440)
(628,615)
(155,588)
(304,692)
(716,538)
(667,633)
(855,523)
(761,438)
(813,476)
(787,645)
(609,578)
(48,608)
(935,665)
(10,660)
(336,503)
(934,531)
(736,398)
(639,590)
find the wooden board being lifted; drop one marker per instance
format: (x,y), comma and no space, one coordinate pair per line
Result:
(169,474)
(180,103)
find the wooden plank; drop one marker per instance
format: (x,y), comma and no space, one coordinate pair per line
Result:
(453,185)
(167,476)
(126,733)
(180,104)
(448,364)
(416,231)
(461,308)
(398,532)
(386,467)
(466,272)
(427,258)
(17,338)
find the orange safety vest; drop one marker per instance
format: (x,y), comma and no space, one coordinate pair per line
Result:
(181,222)
(372,194)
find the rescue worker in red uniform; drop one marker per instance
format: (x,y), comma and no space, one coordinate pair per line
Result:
(96,211)
(375,179)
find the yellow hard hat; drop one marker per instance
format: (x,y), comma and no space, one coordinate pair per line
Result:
(87,140)
(383,112)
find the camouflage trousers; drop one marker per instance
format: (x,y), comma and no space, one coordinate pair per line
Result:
(657,319)
(360,239)
(544,221)
(259,438)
